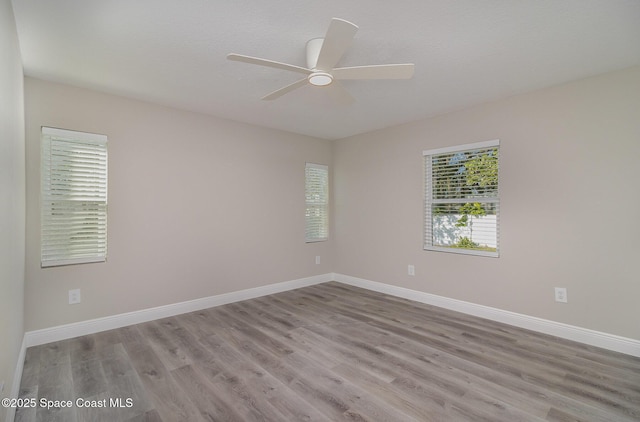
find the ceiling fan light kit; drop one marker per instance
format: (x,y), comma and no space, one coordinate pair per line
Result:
(320,78)
(322,56)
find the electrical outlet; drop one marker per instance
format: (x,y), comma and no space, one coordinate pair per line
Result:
(317,259)
(1,386)
(74,296)
(561,294)
(411,270)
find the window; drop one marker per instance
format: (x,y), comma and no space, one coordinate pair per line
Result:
(73,197)
(461,199)
(316,181)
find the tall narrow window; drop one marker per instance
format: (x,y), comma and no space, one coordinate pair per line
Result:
(73,197)
(316,181)
(461,199)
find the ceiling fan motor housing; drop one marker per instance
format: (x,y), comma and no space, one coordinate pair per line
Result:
(319,77)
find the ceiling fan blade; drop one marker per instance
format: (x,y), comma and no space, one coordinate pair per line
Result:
(382,71)
(279,93)
(268,63)
(336,42)
(339,94)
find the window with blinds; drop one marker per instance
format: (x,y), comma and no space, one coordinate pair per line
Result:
(73,197)
(316,181)
(462,199)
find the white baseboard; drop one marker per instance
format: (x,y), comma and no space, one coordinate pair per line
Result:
(63,332)
(17,377)
(566,331)
(570,332)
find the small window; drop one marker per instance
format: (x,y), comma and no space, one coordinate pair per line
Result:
(316,181)
(461,199)
(73,197)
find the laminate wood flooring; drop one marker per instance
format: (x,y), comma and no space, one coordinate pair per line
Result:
(329,352)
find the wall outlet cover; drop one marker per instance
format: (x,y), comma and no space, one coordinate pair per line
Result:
(74,296)
(561,294)
(411,270)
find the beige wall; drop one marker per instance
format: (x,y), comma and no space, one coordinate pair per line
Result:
(12,200)
(198,206)
(570,204)
(201,206)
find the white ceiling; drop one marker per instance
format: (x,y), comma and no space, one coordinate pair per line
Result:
(466,52)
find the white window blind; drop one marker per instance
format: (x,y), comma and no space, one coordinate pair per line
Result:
(462,199)
(317,202)
(73,197)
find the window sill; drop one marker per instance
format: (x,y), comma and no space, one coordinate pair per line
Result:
(461,251)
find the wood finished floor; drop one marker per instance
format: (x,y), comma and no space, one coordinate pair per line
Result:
(330,352)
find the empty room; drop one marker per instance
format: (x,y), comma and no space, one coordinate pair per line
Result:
(319,211)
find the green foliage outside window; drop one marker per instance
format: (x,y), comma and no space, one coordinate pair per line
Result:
(466,175)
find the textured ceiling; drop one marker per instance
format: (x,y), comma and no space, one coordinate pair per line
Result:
(466,52)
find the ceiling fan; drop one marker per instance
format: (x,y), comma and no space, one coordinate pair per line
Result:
(322,55)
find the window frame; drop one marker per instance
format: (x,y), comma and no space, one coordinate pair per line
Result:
(323,204)
(88,192)
(429,200)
